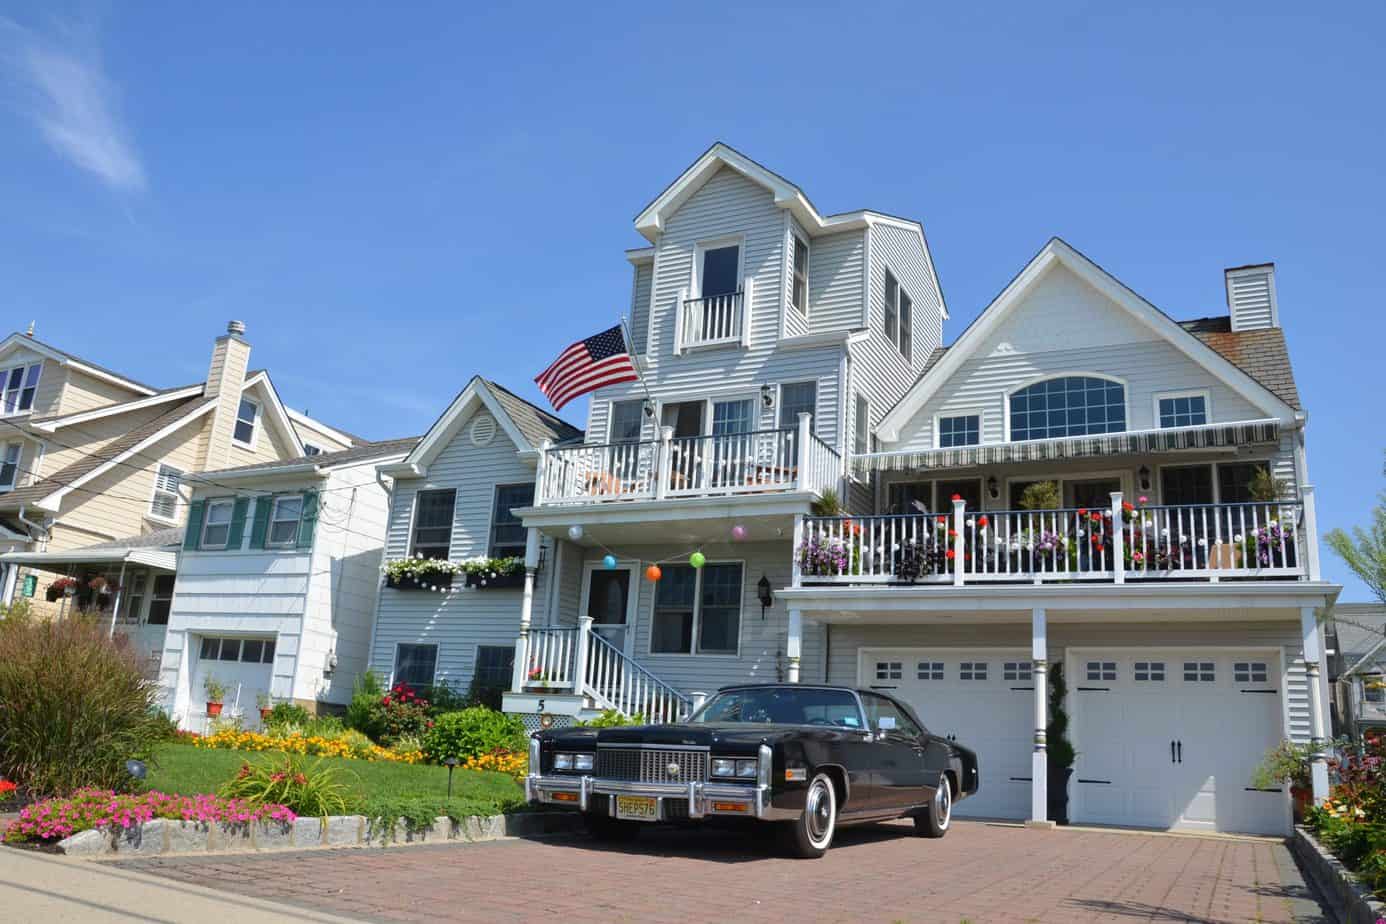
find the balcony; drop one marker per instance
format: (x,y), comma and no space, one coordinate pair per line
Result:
(729,465)
(1116,544)
(713,321)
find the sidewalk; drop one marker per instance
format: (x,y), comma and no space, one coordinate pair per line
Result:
(48,888)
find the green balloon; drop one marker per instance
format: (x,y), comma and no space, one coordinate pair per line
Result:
(697,560)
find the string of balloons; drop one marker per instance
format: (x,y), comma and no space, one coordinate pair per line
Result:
(653,572)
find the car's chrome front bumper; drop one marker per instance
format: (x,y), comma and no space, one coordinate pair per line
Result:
(701,799)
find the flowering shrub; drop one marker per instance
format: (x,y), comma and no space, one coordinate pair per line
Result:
(7,788)
(347,744)
(308,789)
(501,760)
(473,732)
(56,819)
(1352,821)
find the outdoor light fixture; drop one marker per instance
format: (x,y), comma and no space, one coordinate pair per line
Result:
(767,395)
(648,407)
(993,488)
(137,769)
(763,586)
(451,764)
(1144,475)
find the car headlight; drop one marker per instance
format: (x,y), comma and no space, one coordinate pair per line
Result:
(746,768)
(563,761)
(721,766)
(582,761)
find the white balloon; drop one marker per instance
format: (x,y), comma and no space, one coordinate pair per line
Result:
(575,533)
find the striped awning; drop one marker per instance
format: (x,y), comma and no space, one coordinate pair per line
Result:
(1139,442)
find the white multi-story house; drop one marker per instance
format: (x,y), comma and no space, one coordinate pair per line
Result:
(1165,557)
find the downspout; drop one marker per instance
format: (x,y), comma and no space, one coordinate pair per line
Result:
(389,490)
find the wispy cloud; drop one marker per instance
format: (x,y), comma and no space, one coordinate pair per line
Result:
(71,101)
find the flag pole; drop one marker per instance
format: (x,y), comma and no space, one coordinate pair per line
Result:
(637,362)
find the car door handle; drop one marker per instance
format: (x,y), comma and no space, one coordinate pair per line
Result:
(1171,750)
(1181,751)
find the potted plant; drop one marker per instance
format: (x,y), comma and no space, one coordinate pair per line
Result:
(494,573)
(537,680)
(1058,748)
(216,696)
(61,587)
(1288,762)
(420,573)
(266,704)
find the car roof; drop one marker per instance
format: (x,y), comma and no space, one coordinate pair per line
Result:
(792,686)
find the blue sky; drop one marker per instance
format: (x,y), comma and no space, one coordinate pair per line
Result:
(393,201)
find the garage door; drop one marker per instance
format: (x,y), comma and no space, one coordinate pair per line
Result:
(983,699)
(1170,739)
(244,666)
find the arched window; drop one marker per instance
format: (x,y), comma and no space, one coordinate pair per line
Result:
(1073,405)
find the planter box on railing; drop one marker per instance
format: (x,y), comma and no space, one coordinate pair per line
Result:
(496,581)
(415,582)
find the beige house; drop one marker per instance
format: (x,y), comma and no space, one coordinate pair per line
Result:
(97,469)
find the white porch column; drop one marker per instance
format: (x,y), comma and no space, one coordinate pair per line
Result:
(664,461)
(959,549)
(801,451)
(794,643)
(1118,540)
(584,643)
(517,677)
(1313,654)
(1311,532)
(11,577)
(1039,759)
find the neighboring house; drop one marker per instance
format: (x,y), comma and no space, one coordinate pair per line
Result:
(93,459)
(790,355)
(452,499)
(277,579)
(1357,667)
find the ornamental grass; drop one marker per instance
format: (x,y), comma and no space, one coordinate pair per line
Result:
(347,744)
(87,809)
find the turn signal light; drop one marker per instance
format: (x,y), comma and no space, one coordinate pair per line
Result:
(564,797)
(729,806)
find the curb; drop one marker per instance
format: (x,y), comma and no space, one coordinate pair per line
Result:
(162,836)
(1347,898)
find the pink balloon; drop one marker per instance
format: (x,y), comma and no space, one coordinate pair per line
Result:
(738,532)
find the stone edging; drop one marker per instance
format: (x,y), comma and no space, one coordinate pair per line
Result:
(163,836)
(1346,896)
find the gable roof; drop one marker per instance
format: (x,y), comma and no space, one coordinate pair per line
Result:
(525,424)
(48,492)
(1259,352)
(1361,632)
(315,463)
(65,358)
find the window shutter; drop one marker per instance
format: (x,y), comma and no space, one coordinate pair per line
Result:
(193,531)
(237,523)
(259,527)
(309,519)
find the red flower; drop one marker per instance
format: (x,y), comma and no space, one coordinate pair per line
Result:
(943,519)
(951,554)
(1096,539)
(1127,507)
(982,522)
(956,497)
(1082,511)
(952,533)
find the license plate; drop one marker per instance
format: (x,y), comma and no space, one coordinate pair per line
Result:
(637,808)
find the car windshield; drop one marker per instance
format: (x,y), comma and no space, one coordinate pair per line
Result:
(778,706)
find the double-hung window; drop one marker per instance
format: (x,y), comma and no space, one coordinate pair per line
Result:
(285,514)
(892,307)
(20,384)
(626,419)
(861,429)
(799,290)
(697,610)
(797,398)
(247,413)
(216,524)
(507,532)
(9,465)
(906,327)
(164,503)
(415,666)
(432,523)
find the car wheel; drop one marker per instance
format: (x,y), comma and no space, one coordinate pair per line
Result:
(811,835)
(610,830)
(934,821)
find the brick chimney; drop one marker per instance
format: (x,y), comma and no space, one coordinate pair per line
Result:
(1251,296)
(225,378)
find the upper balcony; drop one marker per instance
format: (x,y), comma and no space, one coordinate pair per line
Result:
(713,320)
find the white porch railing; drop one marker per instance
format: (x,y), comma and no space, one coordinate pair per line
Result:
(714,320)
(788,459)
(558,658)
(1117,543)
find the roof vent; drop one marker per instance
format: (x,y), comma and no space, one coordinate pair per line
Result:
(236,328)
(483,430)
(1251,296)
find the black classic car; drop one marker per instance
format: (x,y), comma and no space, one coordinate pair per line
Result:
(808,758)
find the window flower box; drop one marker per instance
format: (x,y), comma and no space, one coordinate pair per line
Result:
(495,581)
(419,582)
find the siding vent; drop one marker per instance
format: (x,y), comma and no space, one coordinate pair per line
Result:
(1251,296)
(483,430)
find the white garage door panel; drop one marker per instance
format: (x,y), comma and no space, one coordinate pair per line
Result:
(982,699)
(244,680)
(1170,739)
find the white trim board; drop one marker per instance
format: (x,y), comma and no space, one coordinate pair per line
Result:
(1059,253)
(54,423)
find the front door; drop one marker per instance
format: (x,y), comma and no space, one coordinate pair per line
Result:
(609,603)
(1092,493)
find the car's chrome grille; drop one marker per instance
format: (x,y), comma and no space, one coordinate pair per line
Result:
(652,765)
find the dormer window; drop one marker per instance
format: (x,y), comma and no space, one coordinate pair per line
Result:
(246,416)
(20,385)
(799,290)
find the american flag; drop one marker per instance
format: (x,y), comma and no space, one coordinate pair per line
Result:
(587,365)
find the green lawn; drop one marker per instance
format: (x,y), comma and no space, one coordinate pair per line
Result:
(186,770)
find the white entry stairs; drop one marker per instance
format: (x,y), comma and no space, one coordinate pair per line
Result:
(574,671)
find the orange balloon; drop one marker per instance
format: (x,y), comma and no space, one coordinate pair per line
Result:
(653,573)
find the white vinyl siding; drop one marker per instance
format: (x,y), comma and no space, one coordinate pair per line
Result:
(642,277)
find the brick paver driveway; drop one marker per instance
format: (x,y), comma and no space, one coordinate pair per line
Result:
(978,873)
